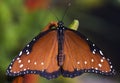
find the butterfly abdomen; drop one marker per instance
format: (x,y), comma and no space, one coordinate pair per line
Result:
(60,58)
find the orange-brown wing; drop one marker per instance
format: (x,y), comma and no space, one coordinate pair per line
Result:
(38,57)
(81,55)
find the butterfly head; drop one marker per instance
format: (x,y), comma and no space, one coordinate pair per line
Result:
(60,24)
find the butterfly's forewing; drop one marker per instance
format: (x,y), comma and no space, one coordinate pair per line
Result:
(38,57)
(81,55)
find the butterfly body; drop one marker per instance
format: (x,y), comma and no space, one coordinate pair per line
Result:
(60,35)
(60,51)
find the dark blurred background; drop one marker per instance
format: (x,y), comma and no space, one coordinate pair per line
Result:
(21,20)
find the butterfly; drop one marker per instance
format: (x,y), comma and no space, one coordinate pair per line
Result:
(60,51)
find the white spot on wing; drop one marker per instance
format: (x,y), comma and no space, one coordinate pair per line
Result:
(103,57)
(35,63)
(10,67)
(28,45)
(78,62)
(21,65)
(10,70)
(28,53)
(28,61)
(77,69)
(96,68)
(18,58)
(93,52)
(101,60)
(85,62)
(14,72)
(93,44)
(101,52)
(108,59)
(42,70)
(92,60)
(20,53)
(24,69)
(13,60)
(33,39)
(42,63)
(100,65)
(111,66)
(19,61)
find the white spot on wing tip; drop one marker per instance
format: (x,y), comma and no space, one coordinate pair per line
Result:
(26,50)
(28,53)
(18,58)
(19,61)
(101,52)
(10,67)
(20,53)
(10,70)
(13,60)
(101,60)
(28,45)
(108,59)
(103,57)
(93,52)
(94,49)
(93,44)
(111,66)
(34,39)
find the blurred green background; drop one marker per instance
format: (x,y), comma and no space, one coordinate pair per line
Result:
(99,20)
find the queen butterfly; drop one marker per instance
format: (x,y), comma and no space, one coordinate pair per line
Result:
(60,51)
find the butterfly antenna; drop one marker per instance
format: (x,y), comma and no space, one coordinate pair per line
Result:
(69,4)
(53,14)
